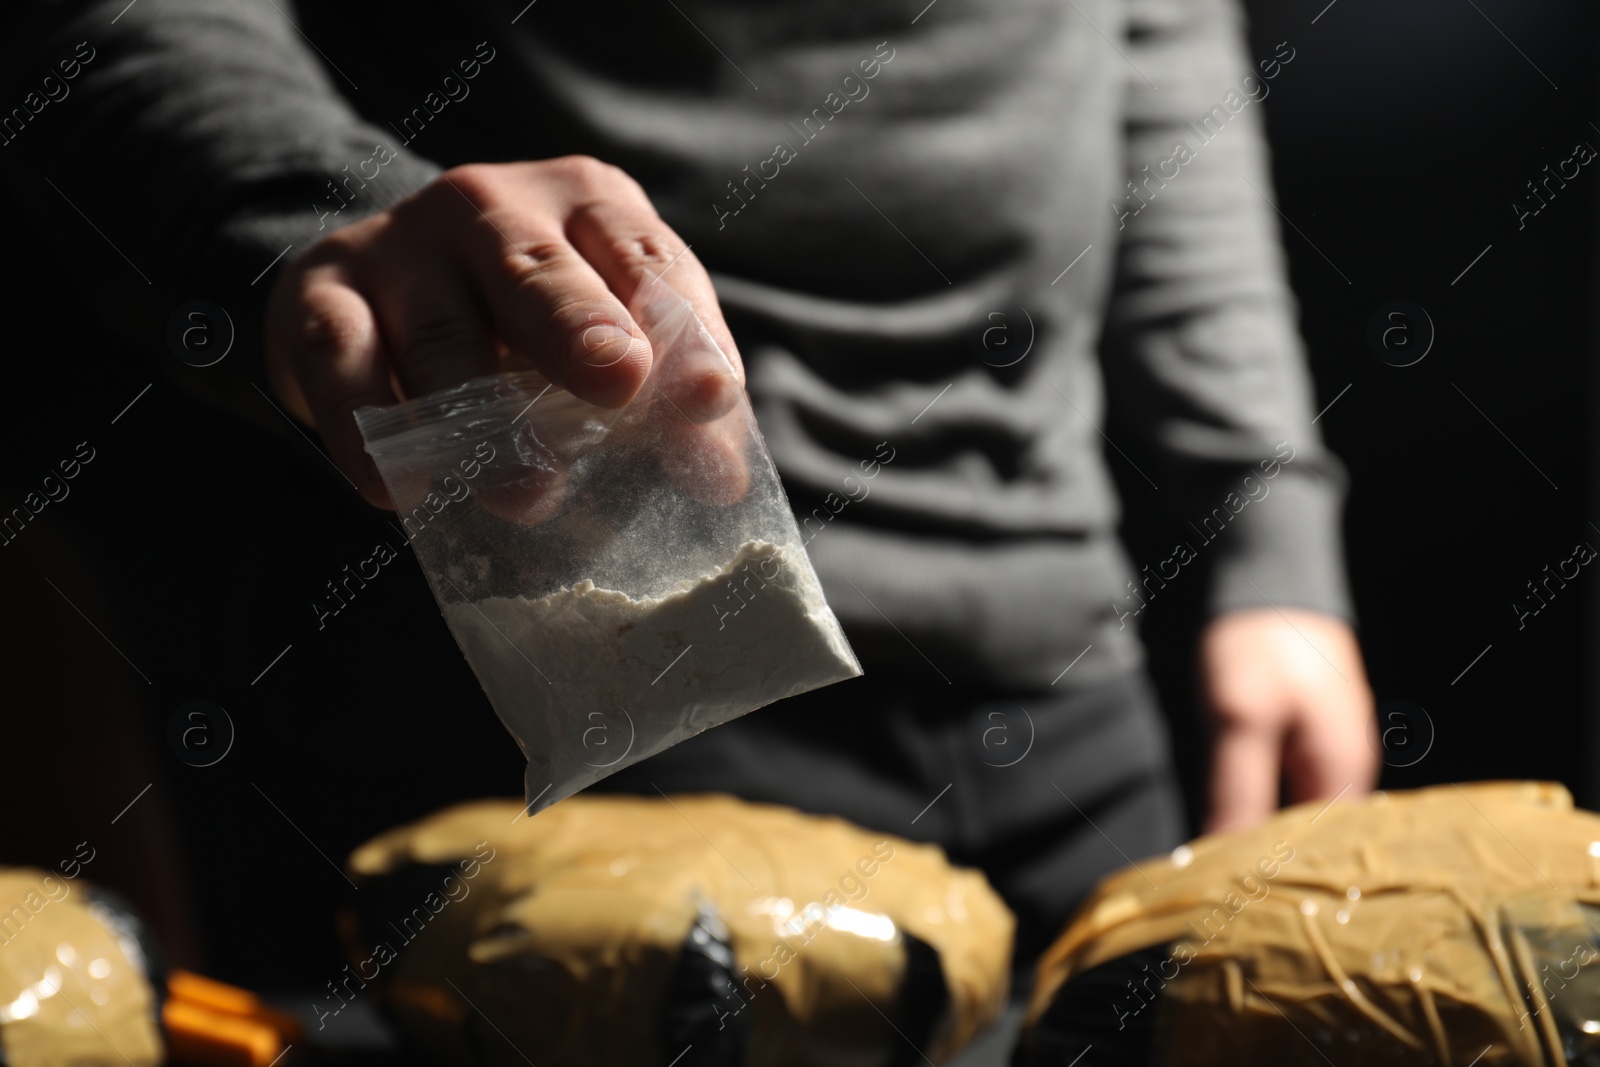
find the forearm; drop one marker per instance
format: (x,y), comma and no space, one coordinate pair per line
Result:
(1202,357)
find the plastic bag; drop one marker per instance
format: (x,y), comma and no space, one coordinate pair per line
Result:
(619,579)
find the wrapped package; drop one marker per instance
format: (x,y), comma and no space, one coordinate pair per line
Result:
(696,931)
(83,984)
(72,956)
(1449,926)
(619,579)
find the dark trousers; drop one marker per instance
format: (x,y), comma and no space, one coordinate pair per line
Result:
(1044,793)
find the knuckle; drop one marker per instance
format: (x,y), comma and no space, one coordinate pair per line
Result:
(341,244)
(339,249)
(585,171)
(336,247)
(325,332)
(476,181)
(526,264)
(627,183)
(639,251)
(636,249)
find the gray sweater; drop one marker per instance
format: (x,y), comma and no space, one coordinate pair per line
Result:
(976,254)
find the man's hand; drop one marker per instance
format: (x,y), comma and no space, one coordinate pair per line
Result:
(491,267)
(1287,696)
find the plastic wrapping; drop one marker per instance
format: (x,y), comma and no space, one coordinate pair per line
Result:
(626,932)
(1448,926)
(83,983)
(80,983)
(619,579)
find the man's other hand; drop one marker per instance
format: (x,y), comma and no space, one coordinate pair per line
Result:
(1288,700)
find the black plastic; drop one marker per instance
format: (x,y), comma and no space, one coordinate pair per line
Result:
(924,1000)
(701,1016)
(1110,1011)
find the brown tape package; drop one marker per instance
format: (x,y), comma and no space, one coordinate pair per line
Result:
(1449,926)
(83,984)
(74,987)
(612,931)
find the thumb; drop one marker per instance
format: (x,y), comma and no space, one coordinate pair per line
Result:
(1244,777)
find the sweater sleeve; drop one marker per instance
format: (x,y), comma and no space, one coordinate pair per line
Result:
(184,149)
(1202,356)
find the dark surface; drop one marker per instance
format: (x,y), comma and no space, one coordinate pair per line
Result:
(360,1037)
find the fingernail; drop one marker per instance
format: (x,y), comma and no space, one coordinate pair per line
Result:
(601,344)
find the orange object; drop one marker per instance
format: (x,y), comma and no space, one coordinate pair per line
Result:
(226,999)
(210,993)
(199,1035)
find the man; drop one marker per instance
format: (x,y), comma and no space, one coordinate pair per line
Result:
(912,230)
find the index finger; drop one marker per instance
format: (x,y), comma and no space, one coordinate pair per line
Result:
(1243,790)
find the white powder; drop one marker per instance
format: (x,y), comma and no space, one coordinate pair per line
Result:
(590,680)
